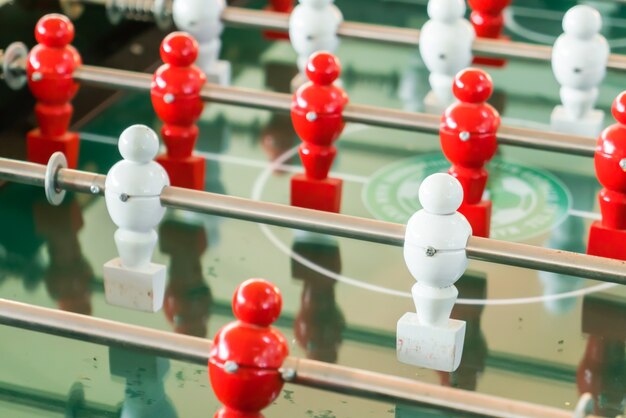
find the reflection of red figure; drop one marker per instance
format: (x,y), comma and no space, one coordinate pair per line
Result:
(175,93)
(317,116)
(277,138)
(607,237)
(247,353)
(468,139)
(50,68)
(187,297)
(68,277)
(488,21)
(602,371)
(319,324)
(280,6)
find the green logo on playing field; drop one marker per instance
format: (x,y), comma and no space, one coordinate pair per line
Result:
(526,202)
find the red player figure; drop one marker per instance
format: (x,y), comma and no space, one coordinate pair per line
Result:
(246,355)
(607,237)
(316,113)
(176,99)
(280,6)
(468,139)
(488,21)
(50,68)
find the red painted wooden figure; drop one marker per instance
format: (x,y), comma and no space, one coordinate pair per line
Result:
(468,139)
(280,6)
(488,21)
(175,93)
(246,355)
(50,68)
(607,237)
(317,117)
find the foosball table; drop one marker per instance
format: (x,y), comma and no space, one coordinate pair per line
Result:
(401,208)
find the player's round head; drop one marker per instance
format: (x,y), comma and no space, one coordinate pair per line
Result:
(323,68)
(583,22)
(619,108)
(54,30)
(179,49)
(138,144)
(446,10)
(441,194)
(472,86)
(258,302)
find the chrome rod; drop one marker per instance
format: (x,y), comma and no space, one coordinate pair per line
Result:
(300,371)
(262,19)
(370,115)
(500,252)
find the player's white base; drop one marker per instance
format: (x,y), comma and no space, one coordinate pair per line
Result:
(589,126)
(433,105)
(437,348)
(220,73)
(135,289)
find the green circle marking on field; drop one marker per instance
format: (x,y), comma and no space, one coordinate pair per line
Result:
(526,201)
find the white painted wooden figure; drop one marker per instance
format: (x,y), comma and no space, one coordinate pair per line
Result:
(313,26)
(579,60)
(132,194)
(434,252)
(202,20)
(445,45)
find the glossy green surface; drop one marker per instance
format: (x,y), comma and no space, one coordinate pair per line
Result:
(522,341)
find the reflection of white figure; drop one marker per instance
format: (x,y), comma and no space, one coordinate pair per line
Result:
(313,26)
(132,191)
(145,395)
(202,20)
(579,61)
(445,45)
(434,252)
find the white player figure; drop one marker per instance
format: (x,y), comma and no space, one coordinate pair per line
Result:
(445,45)
(132,191)
(313,26)
(202,20)
(434,252)
(579,61)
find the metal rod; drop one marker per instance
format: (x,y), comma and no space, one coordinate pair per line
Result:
(262,19)
(501,252)
(375,116)
(305,372)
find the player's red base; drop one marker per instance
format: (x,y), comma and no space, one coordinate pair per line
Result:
(479,217)
(39,149)
(272,34)
(606,242)
(276,36)
(186,172)
(229,413)
(322,195)
(491,61)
